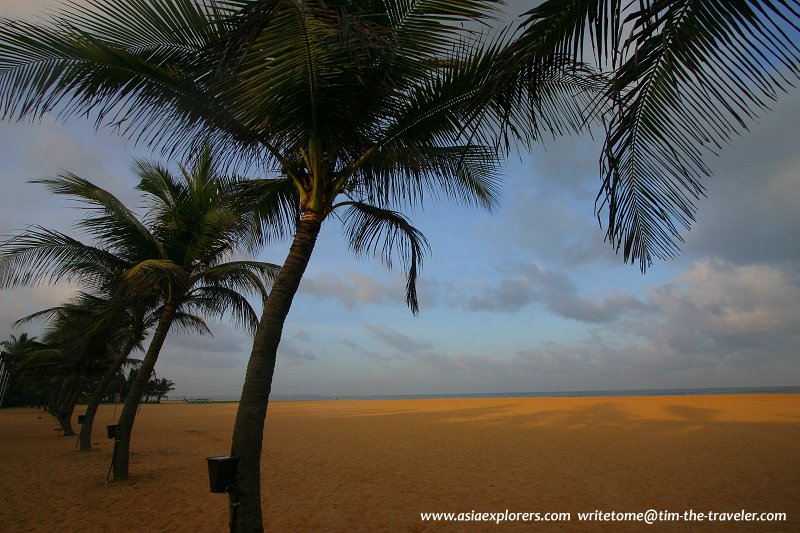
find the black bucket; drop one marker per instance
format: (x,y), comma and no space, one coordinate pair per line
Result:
(222,472)
(81,418)
(111,431)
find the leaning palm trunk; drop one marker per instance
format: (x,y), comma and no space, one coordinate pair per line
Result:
(128,415)
(53,399)
(99,393)
(248,432)
(67,406)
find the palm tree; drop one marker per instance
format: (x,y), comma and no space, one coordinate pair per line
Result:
(79,341)
(361,108)
(177,256)
(58,368)
(15,351)
(160,388)
(684,77)
(121,320)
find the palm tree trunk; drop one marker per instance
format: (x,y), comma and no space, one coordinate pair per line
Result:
(128,415)
(248,432)
(52,401)
(99,393)
(68,406)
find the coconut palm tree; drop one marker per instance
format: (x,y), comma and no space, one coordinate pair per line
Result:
(15,351)
(177,255)
(160,388)
(361,108)
(59,367)
(684,78)
(122,320)
(78,340)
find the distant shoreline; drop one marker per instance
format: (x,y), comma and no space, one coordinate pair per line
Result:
(708,391)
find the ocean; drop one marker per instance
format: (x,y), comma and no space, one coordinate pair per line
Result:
(550,394)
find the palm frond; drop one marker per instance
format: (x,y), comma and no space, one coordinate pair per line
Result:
(371,230)
(40,255)
(155,273)
(404,175)
(219,301)
(241,276)
(427,28)
(272,209)
(189,323)
(686,77)
(114,226)
(125,63)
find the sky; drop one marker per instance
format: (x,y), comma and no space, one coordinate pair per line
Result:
(528,298)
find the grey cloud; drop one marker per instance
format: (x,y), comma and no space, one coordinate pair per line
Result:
(508,295)
(460,363)
(717,324)
(550,209)
(534,284)
(28,9)
(718,307)
(354,290)
(301,334)
(369,354)
(223,339)
(397,340)
(293,355)
(227,348)
(551,224)
(208,359)
(22,301)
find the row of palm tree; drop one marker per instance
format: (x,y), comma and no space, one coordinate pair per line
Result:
(79,341)
(161,272)
(66,365)
(15,350)
(363,108)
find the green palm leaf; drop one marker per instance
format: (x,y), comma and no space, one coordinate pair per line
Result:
(220,301)
(114,224)
(686,77)
(41,255)
(374,231)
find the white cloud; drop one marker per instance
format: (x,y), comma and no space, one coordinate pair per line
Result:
(720,307)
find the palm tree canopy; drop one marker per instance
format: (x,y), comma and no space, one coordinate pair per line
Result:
(176,255)
(17,347)
(685,76)
(346,101)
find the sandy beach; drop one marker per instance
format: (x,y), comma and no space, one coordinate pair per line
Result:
(374,466)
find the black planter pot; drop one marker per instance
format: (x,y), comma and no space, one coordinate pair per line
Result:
(111,431)
(81,418)
(222,472)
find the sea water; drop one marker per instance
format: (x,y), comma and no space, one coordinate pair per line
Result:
(549,394)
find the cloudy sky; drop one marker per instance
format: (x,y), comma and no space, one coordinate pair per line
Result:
(527,298)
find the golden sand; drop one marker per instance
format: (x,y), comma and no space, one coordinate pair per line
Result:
(371,466)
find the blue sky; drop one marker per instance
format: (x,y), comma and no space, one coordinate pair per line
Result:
(527,298)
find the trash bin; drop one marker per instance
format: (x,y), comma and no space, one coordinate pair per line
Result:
(81,418)
(222,472)
(111,431)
